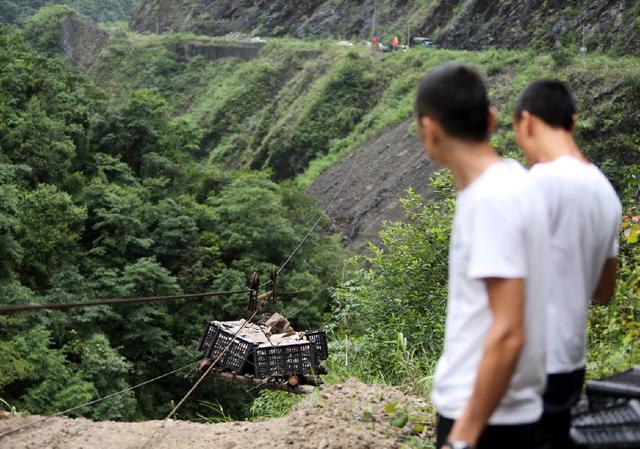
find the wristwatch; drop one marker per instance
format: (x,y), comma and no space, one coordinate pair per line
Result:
(458,444)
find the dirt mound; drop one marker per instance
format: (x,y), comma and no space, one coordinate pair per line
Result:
(348,416)
(377,174)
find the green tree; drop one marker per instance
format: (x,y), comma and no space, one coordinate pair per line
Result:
(394,311)
(108,371)
(54,385)
(43,144)
(116,232)
(134,129)
(10,249)
(251,220)
(51,229)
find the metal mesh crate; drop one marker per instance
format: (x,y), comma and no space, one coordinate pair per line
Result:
(617,427)
(619,387)
(285,360)
(319,340)
(208,337)
(236,357)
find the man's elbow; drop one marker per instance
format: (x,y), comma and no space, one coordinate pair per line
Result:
(606,288)
(604,297)
(511,340)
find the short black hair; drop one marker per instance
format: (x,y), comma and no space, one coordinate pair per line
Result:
(455,96)
(549,100)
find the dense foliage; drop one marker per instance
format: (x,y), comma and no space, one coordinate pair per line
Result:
(389,317)
(18,11)
(103,200)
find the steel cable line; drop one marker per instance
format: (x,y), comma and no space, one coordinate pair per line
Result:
(202,377)
(317,222)
(53,306)
(192,389)
(324,212)
(95,401)
(116,301)
(315,225)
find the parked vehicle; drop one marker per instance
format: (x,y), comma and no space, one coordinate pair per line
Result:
(423,42)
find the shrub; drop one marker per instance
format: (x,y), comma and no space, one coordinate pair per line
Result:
(389,318)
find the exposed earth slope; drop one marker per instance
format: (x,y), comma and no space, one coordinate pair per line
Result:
(372,179)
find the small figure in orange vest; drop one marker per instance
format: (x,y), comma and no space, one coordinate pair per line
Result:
(374,43)
(395,43)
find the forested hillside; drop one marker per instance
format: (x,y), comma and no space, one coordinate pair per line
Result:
(178,163)
(297,107)
(102,200)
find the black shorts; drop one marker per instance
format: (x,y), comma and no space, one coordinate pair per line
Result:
(562,393)
(518,436)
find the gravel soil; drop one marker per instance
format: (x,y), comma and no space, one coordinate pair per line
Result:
(348,416)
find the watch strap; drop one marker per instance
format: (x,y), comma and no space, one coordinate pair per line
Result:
(458,444)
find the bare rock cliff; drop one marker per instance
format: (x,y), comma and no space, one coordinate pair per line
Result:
(610,25)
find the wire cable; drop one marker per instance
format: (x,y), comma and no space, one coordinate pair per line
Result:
(317,222)
(110,302)
(95,401)
(199,381)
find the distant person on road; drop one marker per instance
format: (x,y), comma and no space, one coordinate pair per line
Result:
(490,378)
(374,43)
(584,213)
(395,43)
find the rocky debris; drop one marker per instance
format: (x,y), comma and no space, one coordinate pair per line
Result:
(371,410)
(464,24)
(348,416)
(7,415)
(276,331)
(278,324)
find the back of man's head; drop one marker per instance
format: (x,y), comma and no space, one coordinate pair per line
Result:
(550,101)
(455,96)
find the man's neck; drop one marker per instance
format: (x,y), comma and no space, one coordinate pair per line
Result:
(555,144)
(468,161)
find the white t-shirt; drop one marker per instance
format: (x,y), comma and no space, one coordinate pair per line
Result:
(500,230)
(584,213)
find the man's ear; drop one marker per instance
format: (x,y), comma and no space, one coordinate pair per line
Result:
(430,130)
(493,119)
(526,123)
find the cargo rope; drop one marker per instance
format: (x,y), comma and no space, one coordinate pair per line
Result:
(116,301)
(95,401)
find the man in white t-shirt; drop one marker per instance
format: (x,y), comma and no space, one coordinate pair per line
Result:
(491,375)
(584,214)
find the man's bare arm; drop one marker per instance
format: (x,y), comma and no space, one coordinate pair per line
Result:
(607,283)
(499,358)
